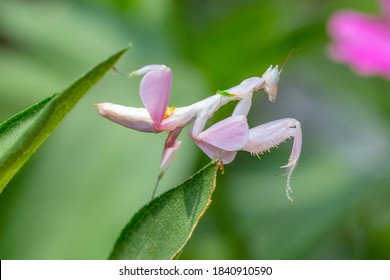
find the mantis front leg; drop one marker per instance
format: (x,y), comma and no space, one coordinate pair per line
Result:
(269,135)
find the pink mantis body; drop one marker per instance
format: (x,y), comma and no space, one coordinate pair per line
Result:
(222,140)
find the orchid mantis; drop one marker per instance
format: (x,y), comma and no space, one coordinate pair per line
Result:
(220,141)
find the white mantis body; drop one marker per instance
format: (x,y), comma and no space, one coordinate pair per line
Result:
(222,140)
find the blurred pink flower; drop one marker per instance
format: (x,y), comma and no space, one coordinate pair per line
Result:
(362,41)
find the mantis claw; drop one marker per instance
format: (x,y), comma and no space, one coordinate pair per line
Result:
(221,166)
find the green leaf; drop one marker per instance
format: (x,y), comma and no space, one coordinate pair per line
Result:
(21,135)
(161,228)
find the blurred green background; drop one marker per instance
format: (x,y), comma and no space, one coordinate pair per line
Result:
(82,186)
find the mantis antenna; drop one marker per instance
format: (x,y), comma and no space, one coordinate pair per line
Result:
(288,57)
